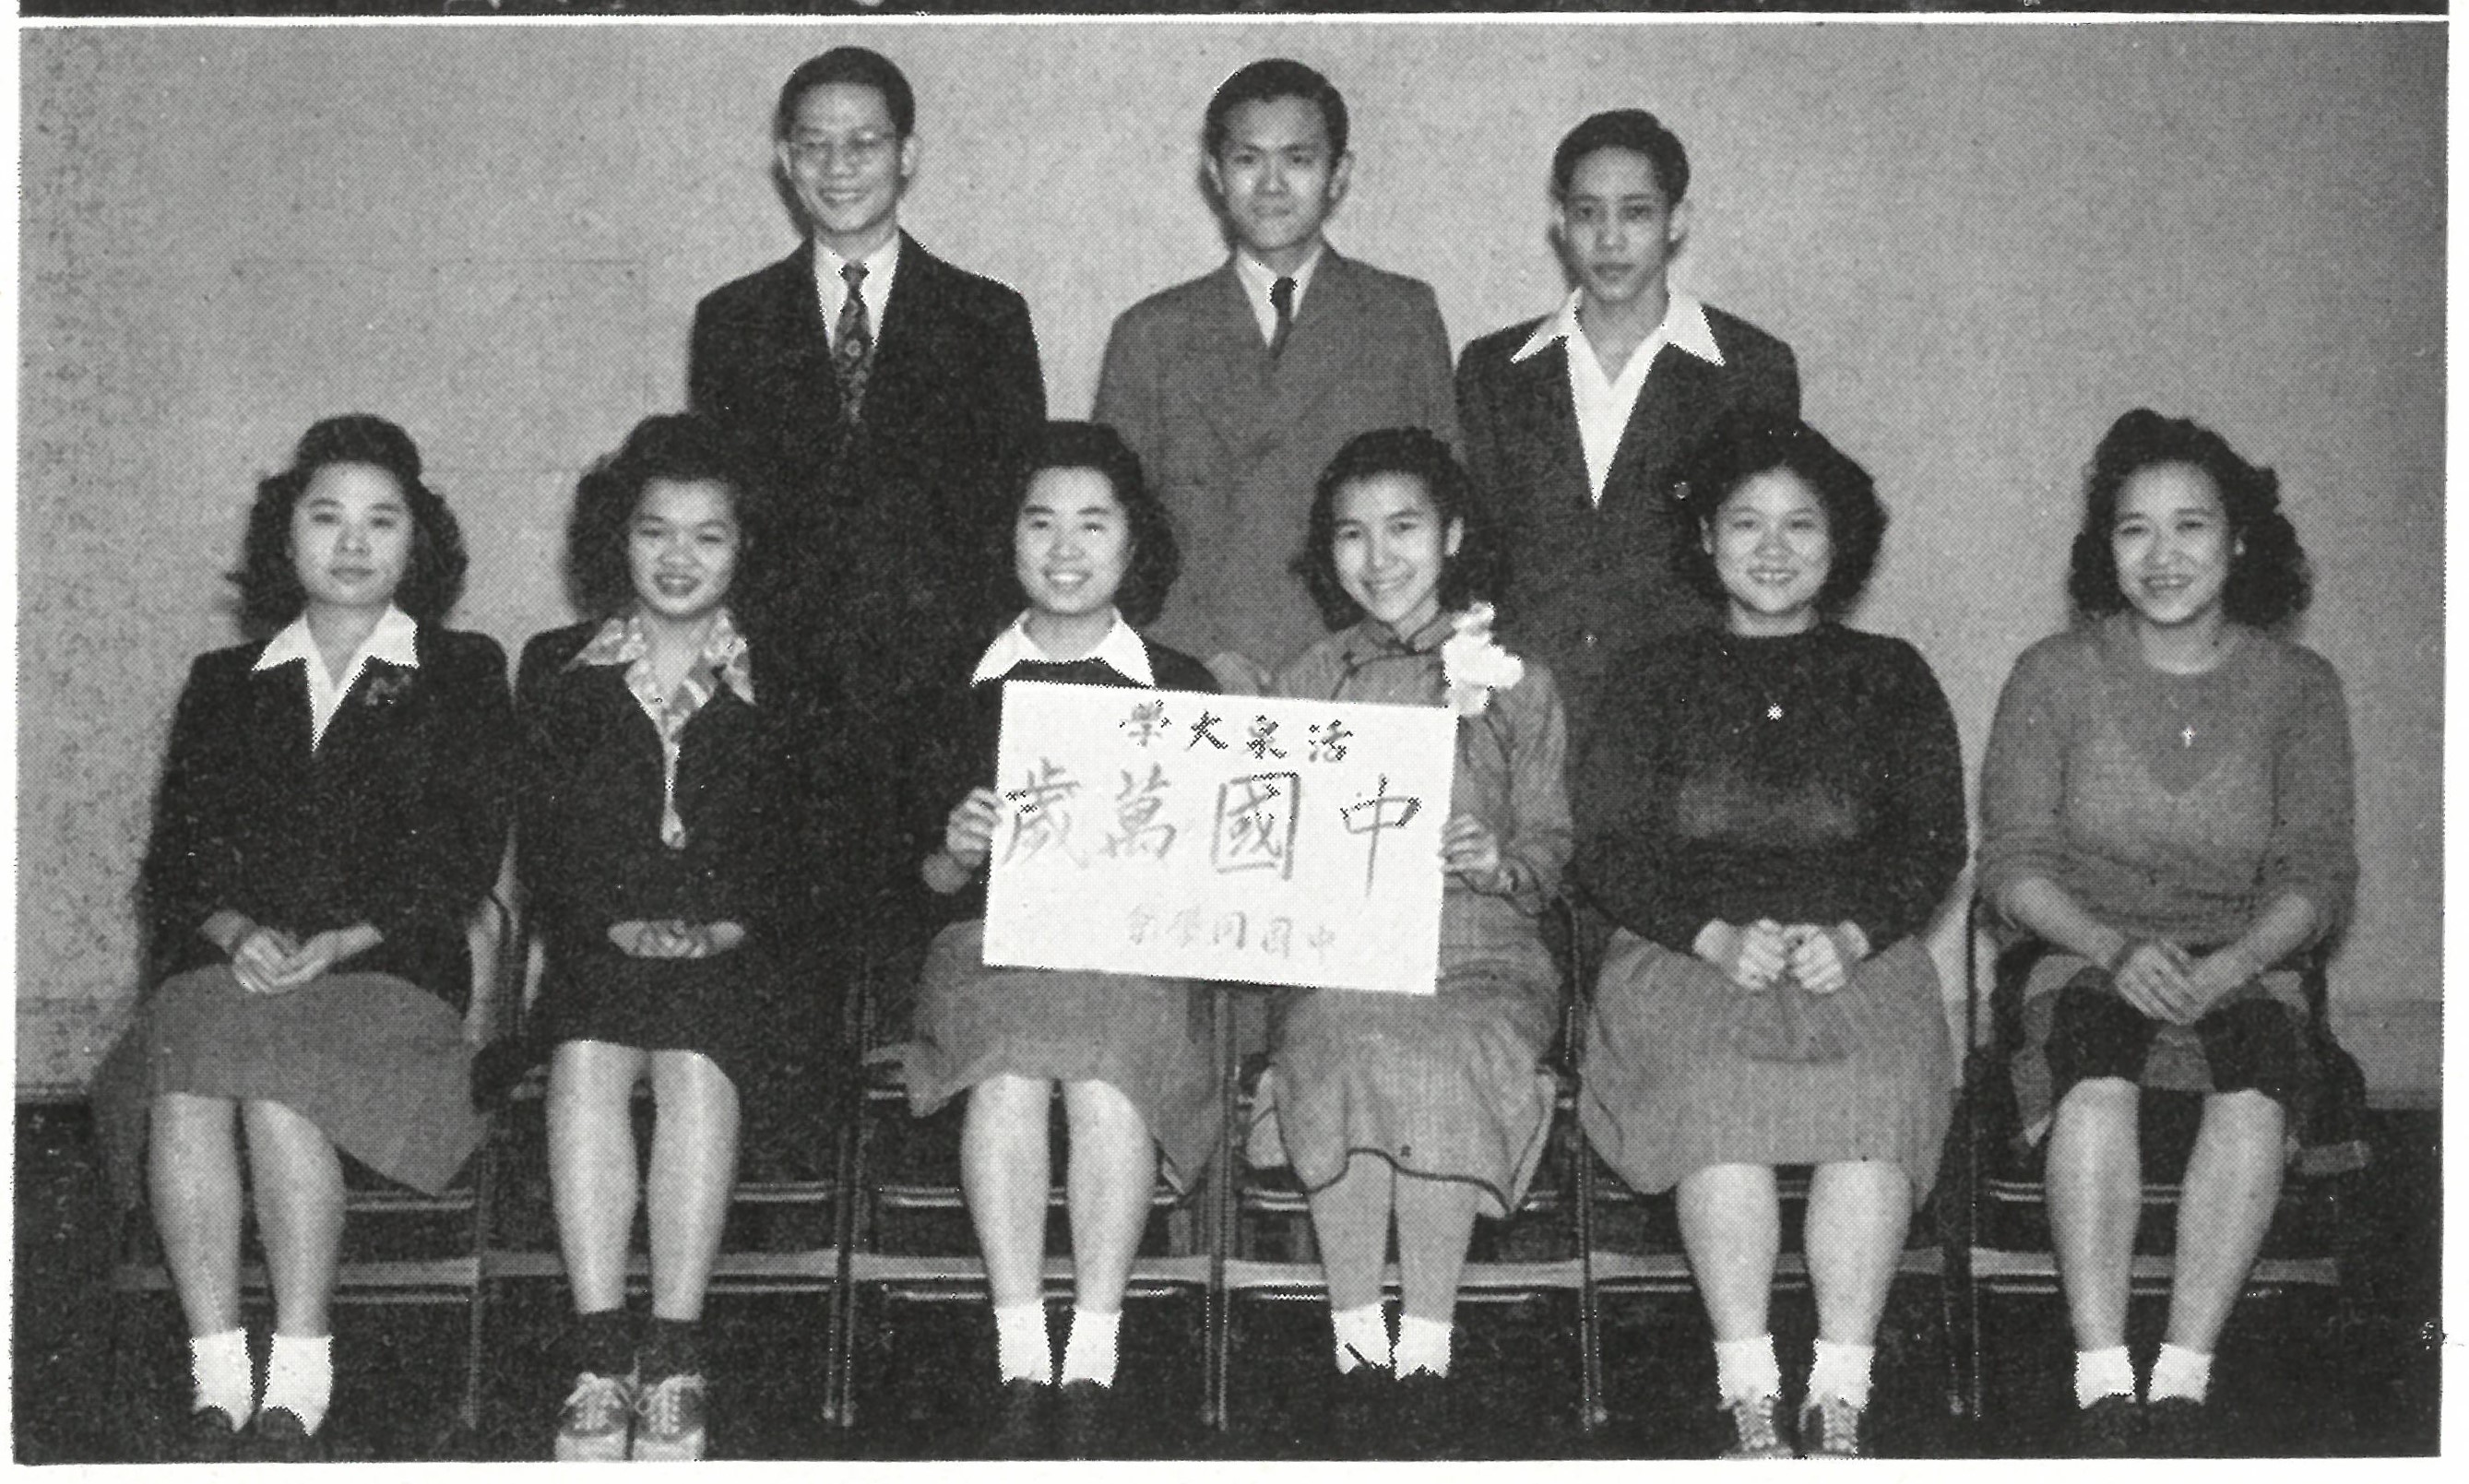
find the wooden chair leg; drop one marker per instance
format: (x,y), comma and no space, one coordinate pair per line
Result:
(1217,1317)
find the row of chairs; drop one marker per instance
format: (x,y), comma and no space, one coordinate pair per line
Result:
(879,1216)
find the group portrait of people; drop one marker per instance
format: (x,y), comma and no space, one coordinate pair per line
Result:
(1604,536)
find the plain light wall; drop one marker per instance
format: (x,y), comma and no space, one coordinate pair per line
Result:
(1984,240)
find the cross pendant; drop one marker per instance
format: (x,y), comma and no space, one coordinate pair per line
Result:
(1774,710)
(2186,738)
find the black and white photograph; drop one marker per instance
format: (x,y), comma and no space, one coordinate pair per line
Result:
(1200,733)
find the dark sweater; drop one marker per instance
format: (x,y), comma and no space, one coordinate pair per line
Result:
(397,820)
(1174,670)
(592,854)
(1815,778)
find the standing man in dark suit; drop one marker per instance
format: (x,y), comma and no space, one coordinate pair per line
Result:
(1574,421)
(888,400)
(1236,389)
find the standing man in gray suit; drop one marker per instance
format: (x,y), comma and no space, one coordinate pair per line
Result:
(1574,421)
(1236,389)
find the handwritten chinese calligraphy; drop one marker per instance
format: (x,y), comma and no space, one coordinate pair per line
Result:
(1249,838)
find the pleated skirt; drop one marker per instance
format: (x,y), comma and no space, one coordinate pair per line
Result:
(1667,1093)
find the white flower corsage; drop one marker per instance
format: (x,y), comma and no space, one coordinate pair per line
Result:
(1475,663)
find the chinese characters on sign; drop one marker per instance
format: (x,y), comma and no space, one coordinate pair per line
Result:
(1220,836)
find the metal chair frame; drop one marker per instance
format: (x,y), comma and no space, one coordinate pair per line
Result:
(1977,1265)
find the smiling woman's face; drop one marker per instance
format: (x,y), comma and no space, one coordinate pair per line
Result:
(1772,551)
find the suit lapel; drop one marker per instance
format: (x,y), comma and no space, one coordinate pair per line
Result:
(911,320)
(1548,418)
(805,350)
(1239,397)
(1330,322)
(1671,403)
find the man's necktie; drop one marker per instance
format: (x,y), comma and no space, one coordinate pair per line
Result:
(853,346)
(1282,298)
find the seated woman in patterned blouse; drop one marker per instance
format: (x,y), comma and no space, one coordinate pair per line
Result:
(2167,804)
(658,860)
(1771,815)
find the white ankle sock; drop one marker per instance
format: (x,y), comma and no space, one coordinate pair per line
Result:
(1089,1349)
(1745,1370)
(1362,1336)
(1021,1345)
(1423,1345)
(2180,1373)
(221,1366)
(300,1377)
(1842,1371)
(2103,1372)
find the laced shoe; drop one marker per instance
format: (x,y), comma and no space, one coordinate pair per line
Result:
(208,1436)
(2180,1428)
(592,1426)
(280,1436)
(1757,1429)
(2110,1427)
(1830,1427)
(1016,1426)
(669,1416)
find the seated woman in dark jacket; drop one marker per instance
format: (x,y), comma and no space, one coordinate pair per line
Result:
(1771,813)
(333,810)
(2167,803)
(658,859)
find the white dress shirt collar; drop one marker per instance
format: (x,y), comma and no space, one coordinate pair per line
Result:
(1604,403)
(1258,280)
(395,639)
(1122,649)
(1684,325)
(831,290)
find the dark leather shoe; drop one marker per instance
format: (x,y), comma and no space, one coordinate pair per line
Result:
(1086,1421)
(2180,1428)
(280,1436)
(2110,1427)
(1362,1408)
(1424,1425)
(1017,1425)
(208,1436)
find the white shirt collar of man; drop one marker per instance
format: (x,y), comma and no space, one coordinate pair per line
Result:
(395,639)
(1684,325)
(1121,648)
(1258,280)
(831,290)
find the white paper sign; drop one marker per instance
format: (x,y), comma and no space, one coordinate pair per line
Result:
(1220,836)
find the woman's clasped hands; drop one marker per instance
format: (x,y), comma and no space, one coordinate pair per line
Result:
(671,937)
(2167,983)
(269,960)
(1756,955)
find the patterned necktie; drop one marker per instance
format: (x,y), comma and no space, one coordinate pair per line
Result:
(1282,298)
(853,345)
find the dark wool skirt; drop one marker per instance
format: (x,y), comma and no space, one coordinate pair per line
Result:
(379,1064)
(1147,1038)
(1448,1086)
(1666,1092)
(718,1006)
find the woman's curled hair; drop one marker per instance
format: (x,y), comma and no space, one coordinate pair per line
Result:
(682,447)
(270,594)
(2270,581)
(1740,450)
(1156,558)
(1478,569)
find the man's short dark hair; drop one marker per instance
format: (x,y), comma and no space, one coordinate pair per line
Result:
(856,67)
(1634,129)
(1275,77)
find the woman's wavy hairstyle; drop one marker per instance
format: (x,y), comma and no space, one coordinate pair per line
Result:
(1480,569)
(2269,580)
(681,447)
(1156,558)
(1741,449)
(270,594)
